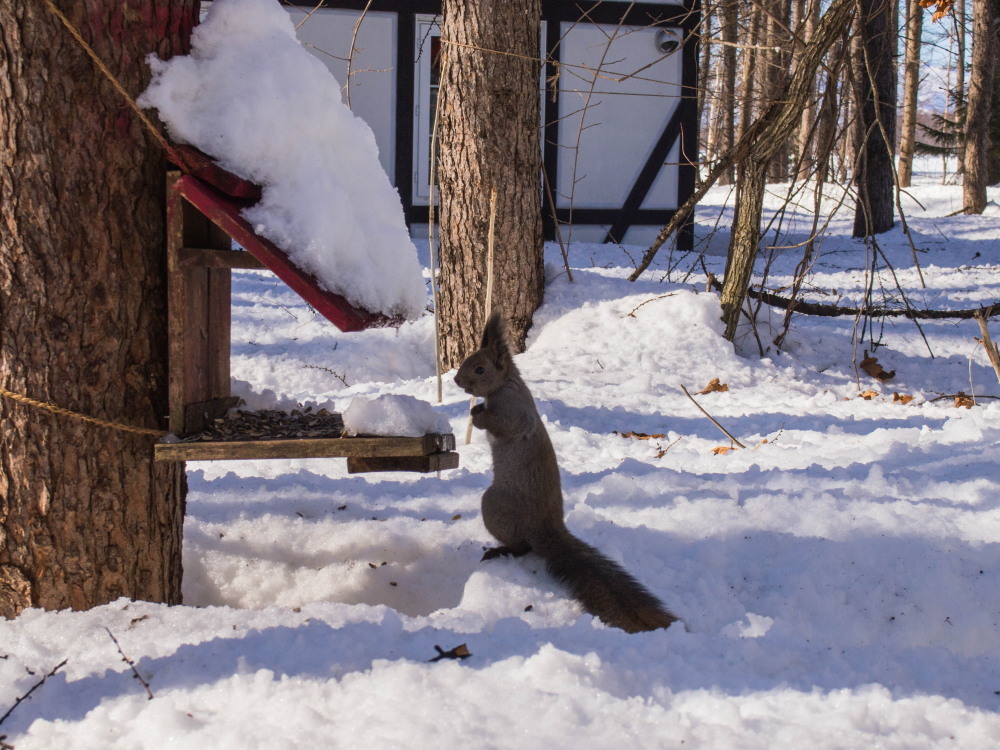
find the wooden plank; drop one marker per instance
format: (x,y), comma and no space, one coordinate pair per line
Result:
(207,257)
(219,333)
(225,212)
(423,464)
(195,162)
(373,447)
(176,301)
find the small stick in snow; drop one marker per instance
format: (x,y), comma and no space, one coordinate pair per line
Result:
(135,672)
(32,689)
(711,418)
(459,652)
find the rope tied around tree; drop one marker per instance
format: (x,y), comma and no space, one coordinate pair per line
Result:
(53,409)
(143,118)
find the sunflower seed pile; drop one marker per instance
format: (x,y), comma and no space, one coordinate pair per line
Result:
(271,424)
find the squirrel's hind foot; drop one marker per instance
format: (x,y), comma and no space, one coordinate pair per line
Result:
(505,551)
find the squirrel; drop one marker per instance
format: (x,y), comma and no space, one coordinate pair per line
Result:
(523,507)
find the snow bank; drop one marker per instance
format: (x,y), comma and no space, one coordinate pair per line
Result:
(393,415)
(254,99)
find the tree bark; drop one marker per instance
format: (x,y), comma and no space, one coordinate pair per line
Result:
(805,139)
(489,134)
(980,95)
(875,68)
(744,241)
(86,516)
(778,61)
(911,81)
(727,95)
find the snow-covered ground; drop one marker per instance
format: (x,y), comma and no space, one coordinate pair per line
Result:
(839,579)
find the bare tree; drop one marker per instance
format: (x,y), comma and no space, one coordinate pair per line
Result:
(489,135)
(807,13)
(911,81)
(727,78)
(86,516)
(875,72)
(980,94)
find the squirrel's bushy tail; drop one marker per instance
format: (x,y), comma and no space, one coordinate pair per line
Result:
(602,586)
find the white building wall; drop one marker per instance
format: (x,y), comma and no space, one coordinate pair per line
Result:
(616,117)
(327,34)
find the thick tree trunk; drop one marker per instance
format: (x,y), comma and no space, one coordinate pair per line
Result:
(876,70)
(489,134)
(85,515)
(977,124)
(911,81)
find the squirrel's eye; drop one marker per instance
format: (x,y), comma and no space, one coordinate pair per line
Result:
(480,370)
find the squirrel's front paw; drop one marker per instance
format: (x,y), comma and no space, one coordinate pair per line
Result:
(477,409)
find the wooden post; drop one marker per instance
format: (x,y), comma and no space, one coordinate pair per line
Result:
(199,317)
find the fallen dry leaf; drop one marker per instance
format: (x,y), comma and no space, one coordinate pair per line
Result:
(962,399)
(901,398)
(722,450)
(639,435)
(873,368)
(868,395)
(714,386)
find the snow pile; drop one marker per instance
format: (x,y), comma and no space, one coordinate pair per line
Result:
(254,99)
(393,415)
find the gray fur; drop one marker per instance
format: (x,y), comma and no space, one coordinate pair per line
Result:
(523,508)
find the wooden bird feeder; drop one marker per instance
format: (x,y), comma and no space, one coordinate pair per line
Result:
(203,220)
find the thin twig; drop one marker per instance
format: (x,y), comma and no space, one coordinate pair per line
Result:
(32,689)
(711,418)
(654,299)
(135,672)
(350,55)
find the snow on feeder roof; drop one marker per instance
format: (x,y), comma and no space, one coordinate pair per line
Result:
(264,108)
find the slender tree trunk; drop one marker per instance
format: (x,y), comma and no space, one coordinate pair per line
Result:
(744,241)
(977,124)
(779,61)
(805,141)
(727,94)
(706,58)
(489,134)
(876,70)
(911,81)
(993,152)
(86,516)
(960,13)
(749,64)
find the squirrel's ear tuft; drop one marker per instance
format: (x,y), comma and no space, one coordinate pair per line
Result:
(496,339)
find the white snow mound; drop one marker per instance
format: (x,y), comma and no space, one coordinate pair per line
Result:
(393,415)
(251,96)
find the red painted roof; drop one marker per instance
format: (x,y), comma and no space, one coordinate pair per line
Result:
(221,196)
